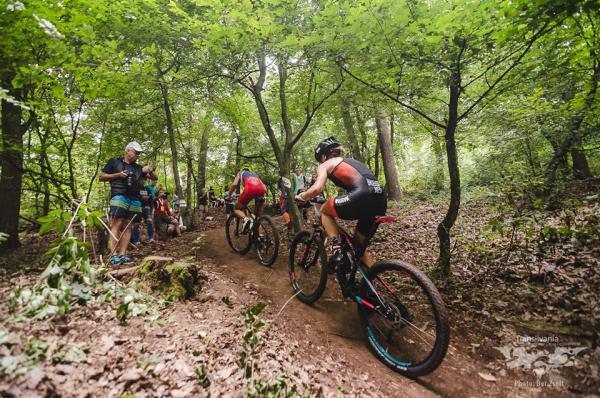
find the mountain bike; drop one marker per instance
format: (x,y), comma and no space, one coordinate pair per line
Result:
(262,234)
(401,312)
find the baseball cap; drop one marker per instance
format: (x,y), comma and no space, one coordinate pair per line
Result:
(135,146)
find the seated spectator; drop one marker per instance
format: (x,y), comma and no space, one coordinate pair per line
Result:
(174,228)
(162,213)
(180,227)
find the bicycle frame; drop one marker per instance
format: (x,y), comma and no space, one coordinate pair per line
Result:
(348,283)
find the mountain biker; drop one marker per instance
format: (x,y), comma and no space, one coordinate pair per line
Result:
(364,200)
(253,189)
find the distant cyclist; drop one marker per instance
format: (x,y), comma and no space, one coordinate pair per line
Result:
(253,188)
(364,200)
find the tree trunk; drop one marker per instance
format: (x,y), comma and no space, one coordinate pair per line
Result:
(363,137)
(171,131)
(189,181)
(573,141)
(443,230)
(238,158)
(377,157)
(532,158)
(12,173)
(438,166)
(349,127)
(389,164)
(284,166)
(581,168)
(392,128)
(44,171)
(202,165)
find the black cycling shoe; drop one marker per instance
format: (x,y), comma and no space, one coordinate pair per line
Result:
(335,262)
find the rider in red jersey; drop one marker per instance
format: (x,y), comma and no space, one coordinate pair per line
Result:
(253,188)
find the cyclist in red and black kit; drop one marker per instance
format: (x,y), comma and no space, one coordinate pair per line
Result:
(364,200)
(253,189)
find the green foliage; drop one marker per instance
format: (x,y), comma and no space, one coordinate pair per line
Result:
(21,352)
(252,339)
(203,379)
(69,354)
(277,388)
(71,279)
(145,361)
(252,342)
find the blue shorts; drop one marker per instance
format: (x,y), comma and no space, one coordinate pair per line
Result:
(123,207)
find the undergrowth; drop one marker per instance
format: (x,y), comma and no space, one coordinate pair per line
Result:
(70,279)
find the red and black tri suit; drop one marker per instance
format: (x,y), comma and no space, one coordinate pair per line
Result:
(365,198)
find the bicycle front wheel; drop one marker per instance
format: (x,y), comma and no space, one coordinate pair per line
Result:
(306,266)
(240,243)
(404,318)
(266,240)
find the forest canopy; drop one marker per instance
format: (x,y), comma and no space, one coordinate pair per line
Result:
(438,98)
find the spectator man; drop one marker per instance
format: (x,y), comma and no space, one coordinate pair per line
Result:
(176,202)
(203,203)
(300,181)
(125,176)
(212,197)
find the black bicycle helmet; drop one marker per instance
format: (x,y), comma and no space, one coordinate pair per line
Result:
(324,147)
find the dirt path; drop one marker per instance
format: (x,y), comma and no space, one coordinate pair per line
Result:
(319,348)
(332,323)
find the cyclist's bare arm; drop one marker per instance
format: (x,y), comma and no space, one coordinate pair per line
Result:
(323,171)
(234,184)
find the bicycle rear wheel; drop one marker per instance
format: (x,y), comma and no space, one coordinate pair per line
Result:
(233,231)
(266,240)
(404,318)
(306,266)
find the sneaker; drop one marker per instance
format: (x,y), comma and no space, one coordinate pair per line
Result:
(115,260)
(247,226)
(126,259)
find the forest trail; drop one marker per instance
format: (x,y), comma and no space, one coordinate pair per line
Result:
(333,322)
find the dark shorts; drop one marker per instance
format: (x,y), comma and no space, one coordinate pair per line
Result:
(147,214)
(123,207)
(363,207)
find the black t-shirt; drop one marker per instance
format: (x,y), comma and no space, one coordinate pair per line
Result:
(125,186)
(203,200)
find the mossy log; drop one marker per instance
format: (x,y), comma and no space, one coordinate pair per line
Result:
(168,277)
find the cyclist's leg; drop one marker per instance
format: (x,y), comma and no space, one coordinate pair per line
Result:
(373,206)
(242,202)
(328,216)
(259,205)
(239,209)
(361,232)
